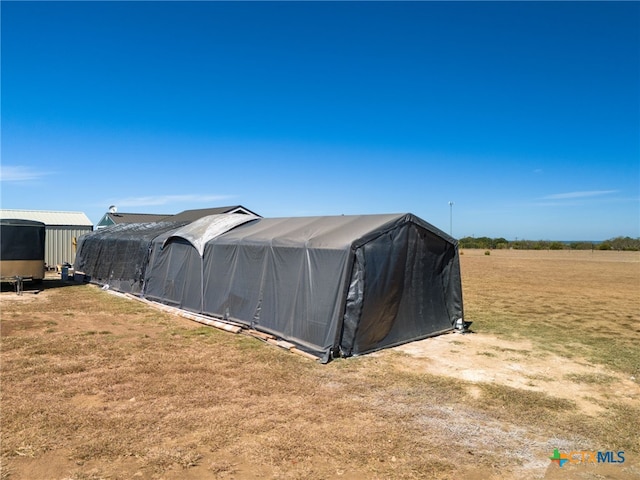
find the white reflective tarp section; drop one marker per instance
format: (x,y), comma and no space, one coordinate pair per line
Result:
(201,231)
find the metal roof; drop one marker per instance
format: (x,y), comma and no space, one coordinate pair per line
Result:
(186,216)
(49,217)
(119,218)
(193,215)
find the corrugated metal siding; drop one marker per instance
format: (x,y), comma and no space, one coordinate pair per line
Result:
(59,244)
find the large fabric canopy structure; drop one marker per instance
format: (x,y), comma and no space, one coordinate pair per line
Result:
(334,286)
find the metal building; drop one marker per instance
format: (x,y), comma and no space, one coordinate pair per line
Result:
(62,232)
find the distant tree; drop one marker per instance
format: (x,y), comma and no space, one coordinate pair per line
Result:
(500,243)
(484,242)
(540,245)
(624,243)
(488,243)
(466,242)
(581,246)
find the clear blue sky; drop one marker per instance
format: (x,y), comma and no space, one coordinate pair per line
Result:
(525,115)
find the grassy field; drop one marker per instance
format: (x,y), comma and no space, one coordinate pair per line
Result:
(99,387)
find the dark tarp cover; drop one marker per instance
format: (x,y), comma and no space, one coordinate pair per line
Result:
(21,239)
(175,272)
(334,286)
(118,255)
(343,285)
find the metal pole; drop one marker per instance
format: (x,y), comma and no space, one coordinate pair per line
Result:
(451,218)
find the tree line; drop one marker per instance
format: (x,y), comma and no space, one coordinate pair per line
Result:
(617,243)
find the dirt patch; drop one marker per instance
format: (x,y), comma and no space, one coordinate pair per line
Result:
(478,358)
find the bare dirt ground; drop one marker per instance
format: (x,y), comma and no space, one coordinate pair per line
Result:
(95,386)
(513,363)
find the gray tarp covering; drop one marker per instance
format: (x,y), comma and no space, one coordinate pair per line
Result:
(198,233)
(343,285)
(118,255)
(176,265)
(174,275)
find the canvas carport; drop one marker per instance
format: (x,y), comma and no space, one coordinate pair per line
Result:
(333,286)
(343,285)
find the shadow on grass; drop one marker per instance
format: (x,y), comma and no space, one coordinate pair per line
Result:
(30,287)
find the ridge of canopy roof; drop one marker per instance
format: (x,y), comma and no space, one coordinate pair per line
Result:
(199,232)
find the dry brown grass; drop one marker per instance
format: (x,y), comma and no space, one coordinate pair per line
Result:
(575,303)
(95,386)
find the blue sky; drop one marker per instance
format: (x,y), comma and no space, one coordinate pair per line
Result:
(525,115)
